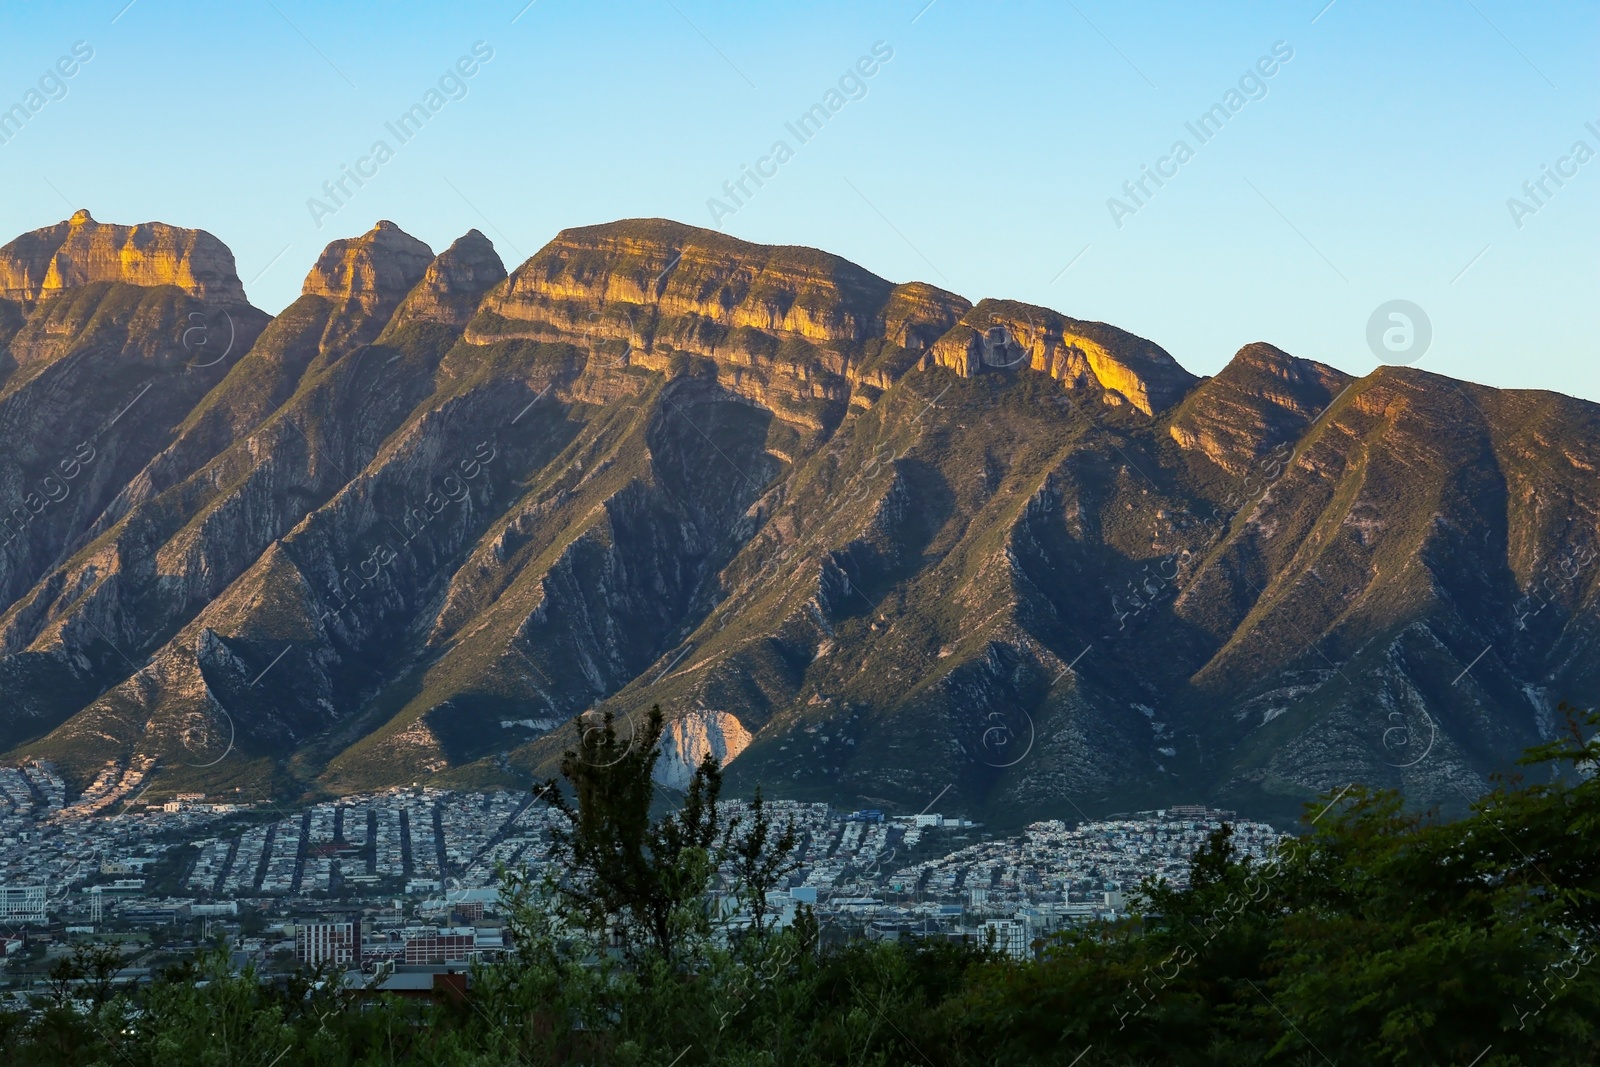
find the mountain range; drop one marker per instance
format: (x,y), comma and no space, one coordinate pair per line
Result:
(867,542)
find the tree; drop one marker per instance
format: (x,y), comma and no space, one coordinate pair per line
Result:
(88,972)
(760,860)
(642,879)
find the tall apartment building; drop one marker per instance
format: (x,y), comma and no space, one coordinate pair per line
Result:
(441,946)
(328,942)
(22,903)
(1014,937)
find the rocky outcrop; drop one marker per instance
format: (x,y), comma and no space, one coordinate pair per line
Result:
(377,268)
(1263,397)
(918,314)
(876,543)
(81,251)
(682,274)
(1121,368)
(454,283)
(688,739)
(793,329)
(364,279)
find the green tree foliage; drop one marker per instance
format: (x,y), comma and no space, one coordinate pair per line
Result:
(1377,936)
(644,880)
(760,860)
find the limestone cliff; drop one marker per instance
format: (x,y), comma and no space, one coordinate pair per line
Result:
(791,328)
(683,273)
(1264,396)
(364,279)
(918,314)
(379,266)
(688,739)
(81,251)
(1121,368)
(867,541)
(454,283)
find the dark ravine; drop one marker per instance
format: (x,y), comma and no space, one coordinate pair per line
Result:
(869,541)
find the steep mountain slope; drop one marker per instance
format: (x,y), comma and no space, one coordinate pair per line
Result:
(95,372)
(867,541)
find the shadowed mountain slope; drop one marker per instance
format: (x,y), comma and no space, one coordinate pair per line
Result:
(868,542)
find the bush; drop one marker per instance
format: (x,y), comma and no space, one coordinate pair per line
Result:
(1377,937)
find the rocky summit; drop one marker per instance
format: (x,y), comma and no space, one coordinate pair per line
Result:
(867,542)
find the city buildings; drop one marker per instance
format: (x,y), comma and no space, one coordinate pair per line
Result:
(410,876)
(22,904)
(324,942)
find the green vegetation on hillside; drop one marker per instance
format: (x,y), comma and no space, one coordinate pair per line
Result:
(1376,937)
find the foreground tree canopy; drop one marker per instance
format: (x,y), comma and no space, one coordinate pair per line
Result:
(1378,936)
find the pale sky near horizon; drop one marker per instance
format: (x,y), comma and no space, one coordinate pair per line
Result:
(1375,163)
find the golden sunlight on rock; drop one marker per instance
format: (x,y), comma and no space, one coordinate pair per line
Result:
(81,251)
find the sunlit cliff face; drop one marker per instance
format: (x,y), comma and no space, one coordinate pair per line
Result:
(80,251)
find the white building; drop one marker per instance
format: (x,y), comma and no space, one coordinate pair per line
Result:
(1014,937)
(22,903)
(328,942)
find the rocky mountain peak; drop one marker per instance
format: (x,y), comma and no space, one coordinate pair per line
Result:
(918,314)
(1262,363)
(454,282)
(380,266)
(1262,397)
(795,329)
(81,251)
(663,466)
(998,335)
(681,271)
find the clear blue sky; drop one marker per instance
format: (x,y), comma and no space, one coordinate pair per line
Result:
(1377,165)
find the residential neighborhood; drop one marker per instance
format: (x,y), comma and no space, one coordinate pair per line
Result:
(408,879)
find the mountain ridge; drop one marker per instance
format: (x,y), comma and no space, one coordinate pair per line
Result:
(868,540)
